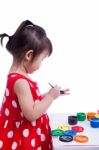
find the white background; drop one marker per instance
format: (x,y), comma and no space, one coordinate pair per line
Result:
(73,27)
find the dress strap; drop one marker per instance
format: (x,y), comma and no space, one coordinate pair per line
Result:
(16,76)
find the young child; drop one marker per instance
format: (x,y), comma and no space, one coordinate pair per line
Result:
(24,123)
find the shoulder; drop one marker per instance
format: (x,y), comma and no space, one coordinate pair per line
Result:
(21,81)
(21,86)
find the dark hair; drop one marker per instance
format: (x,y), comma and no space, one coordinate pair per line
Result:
(27,36)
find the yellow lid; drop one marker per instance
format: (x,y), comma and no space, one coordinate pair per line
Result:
(97,115)
(64,127)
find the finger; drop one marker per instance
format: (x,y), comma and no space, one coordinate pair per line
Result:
(67,93)
(66,90)
(57,87)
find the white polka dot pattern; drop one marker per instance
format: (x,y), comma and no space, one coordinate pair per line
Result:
(1,144)
(46,127)
(7,92)
(17,124)
(49,146)
(14,104)
(46,116)
(4,99)
(7,112)
(6,123)
(26,132)
(39,148)
(21,114)
(41,120)
(33,123)
(13,75)
(20,142)
(38,131)
(38,93)
(43,137)
(14,145)
(10,134)
(33,142)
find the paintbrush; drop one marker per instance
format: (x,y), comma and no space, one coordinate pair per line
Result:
(61,91)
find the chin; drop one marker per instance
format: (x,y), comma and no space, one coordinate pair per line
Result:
(32,71)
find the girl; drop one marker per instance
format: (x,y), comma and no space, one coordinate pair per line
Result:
(24,123)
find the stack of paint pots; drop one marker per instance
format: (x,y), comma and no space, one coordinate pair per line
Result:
(94,119)
(73,120)
(90,115)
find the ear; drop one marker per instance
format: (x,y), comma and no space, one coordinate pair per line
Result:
(29,55)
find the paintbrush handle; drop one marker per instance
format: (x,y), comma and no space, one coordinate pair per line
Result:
(61,91)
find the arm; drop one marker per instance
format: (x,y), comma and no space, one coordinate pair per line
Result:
(30,109)
(43,95)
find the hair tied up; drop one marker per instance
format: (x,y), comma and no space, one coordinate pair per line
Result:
(2,36)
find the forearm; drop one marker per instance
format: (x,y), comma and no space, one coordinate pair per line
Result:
(41,107)
(43,95)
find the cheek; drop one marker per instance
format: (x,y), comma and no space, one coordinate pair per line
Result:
(37,65)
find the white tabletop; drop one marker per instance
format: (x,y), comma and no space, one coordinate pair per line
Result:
(92,133)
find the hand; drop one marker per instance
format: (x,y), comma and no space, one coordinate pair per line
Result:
(54,92)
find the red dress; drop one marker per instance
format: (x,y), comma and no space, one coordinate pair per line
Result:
(16,132)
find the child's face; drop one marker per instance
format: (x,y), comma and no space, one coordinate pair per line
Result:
(35,65)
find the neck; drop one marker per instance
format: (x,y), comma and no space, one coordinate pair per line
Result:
(18,68)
